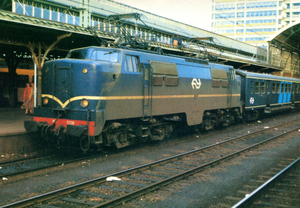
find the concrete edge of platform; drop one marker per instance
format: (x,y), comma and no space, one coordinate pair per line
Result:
(17,143)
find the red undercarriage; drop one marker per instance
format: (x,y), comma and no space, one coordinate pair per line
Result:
(65,122)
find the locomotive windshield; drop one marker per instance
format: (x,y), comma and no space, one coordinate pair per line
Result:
(77,54)
(103,55)
(95,54)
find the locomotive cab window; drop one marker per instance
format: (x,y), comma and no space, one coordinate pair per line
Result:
(132,63)
(77,54)
(103,55)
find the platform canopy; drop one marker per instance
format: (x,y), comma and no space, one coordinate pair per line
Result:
(287,38)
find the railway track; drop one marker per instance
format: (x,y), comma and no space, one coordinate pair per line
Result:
(131,183)
(282,190)
(9,162)
(17,166)
(27,165)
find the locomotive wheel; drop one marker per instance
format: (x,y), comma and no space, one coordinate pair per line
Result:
(157,133)
(46,132)
(210,127)
(85,143)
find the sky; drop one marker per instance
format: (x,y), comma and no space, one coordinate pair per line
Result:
(193,12)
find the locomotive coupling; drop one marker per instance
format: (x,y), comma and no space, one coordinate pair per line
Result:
(75,131)
(71,130)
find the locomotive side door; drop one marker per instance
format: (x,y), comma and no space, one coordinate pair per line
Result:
(147,92)
(62,84)
(229,87)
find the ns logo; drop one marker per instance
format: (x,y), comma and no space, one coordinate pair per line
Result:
(196,83)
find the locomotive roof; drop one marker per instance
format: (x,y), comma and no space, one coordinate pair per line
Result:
(182,59)
(266,76)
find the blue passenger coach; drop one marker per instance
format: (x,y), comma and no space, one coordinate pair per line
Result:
(264,93)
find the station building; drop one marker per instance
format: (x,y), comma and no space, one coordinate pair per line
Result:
(40,30)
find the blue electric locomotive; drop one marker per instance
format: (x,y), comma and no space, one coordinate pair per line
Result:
(116,97)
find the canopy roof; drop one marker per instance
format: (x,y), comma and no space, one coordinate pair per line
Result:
(287,38)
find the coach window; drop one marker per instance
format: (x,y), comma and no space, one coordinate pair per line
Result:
(273,88)
(262,88)
(251,87)
(132,63)
(282,88)
(256,87)
(290,88)
(296,88)
(278,88)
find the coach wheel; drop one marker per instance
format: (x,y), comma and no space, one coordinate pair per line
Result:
(255,114)
(232,120)
(85,143)
(157,133)
(210,125)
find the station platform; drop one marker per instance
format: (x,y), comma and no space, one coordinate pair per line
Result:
(14,141)
(12,121)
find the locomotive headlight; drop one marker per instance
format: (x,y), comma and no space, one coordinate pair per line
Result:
(84,103)
(45,101)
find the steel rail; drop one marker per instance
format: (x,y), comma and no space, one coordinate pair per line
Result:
(45,166)
(184,174)
(63,191)
(7,162)
(249,198)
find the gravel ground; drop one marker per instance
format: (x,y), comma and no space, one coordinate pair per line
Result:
(211,187)
(206,189)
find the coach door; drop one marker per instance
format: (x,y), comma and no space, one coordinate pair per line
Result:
(293,87)
(285,92)
(147,98)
